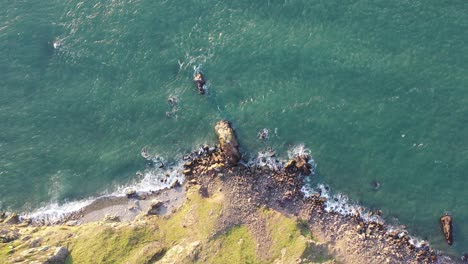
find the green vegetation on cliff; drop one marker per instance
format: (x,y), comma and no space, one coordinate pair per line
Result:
(191,234)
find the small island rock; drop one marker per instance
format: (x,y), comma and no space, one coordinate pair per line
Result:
(446,224)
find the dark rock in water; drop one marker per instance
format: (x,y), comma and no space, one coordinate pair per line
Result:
(172,101)
(375,184)
(446,224)
(228,142)
(145,154)
(302,164)
(12,219)
(263,134)
(199,82)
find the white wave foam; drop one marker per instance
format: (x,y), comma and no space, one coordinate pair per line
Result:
(54,213)
(155,179)
(299,151)
(340,204)
(268,158)
(152,180)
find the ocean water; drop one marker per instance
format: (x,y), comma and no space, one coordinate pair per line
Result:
(377,90)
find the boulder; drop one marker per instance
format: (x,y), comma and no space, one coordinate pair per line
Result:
(446,224)
(111,218)
(7,235)
(175,184)
(131,193)
(59,257)
(228,142)
(154,207)
(12,219)
(35,243)
(302,164)
(290,164)
(155,203)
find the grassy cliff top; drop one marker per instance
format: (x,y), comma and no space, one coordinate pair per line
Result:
(192,234)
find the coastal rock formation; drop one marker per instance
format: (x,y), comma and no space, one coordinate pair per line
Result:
(300,164)
(131,193)
(253,209)
(12,219)
(154,207)
(446,224)
(228,142)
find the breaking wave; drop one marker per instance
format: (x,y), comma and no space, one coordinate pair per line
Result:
(268,158)
(151,180)
(341,204)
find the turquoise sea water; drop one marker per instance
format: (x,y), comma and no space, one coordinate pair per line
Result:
(378,90)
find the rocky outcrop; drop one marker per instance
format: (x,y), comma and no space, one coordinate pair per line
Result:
(228,142)
(154,207)
(12,219)
(446,224)
(59,256)
(131,193)
(182,253)
(7,235)
(300,164)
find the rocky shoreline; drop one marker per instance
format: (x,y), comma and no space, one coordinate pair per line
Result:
(247,188)
(354,239)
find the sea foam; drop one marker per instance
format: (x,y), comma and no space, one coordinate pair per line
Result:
(151,180)
(342,205)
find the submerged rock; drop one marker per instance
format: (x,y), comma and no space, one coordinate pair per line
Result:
(199,81)
(228,142)
(446,224)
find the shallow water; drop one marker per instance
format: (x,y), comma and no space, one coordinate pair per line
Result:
(377,90)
